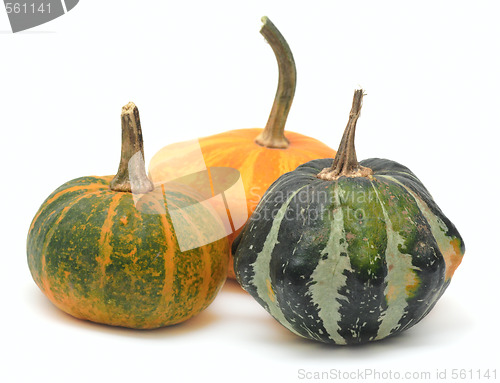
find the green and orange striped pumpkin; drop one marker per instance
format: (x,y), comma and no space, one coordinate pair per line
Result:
(99,255)
(350,252)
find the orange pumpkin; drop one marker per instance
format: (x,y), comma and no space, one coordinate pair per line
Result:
(260,155)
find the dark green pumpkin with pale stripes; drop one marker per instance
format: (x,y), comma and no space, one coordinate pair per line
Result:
(349,260)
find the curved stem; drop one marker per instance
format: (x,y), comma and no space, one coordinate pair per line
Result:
(131,176)
(346,163)
(273,135)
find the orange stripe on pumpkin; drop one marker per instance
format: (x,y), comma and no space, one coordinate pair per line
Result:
(206,268)
(168,290)
(105,247)
(61,193)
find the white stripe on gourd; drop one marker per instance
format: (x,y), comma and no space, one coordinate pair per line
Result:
(399,268)
(261,278)
(329,274)
(438,229)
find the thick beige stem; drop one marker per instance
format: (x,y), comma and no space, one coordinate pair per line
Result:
(273,135)
(131,176)
(345,163)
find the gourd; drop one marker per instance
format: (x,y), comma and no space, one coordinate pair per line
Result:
(347,252)
(260,155)
(104,249)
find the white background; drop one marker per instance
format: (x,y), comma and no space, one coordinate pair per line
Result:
(195,68)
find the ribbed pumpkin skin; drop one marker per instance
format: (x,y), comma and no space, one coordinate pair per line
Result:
(97,257)
(259,166)
(347,261)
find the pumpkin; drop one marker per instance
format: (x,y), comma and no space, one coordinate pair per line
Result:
(102,253)
(260,155)
(347,252)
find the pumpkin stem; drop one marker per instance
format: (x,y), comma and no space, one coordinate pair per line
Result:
(345,163)
(273,135)
(131,176)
